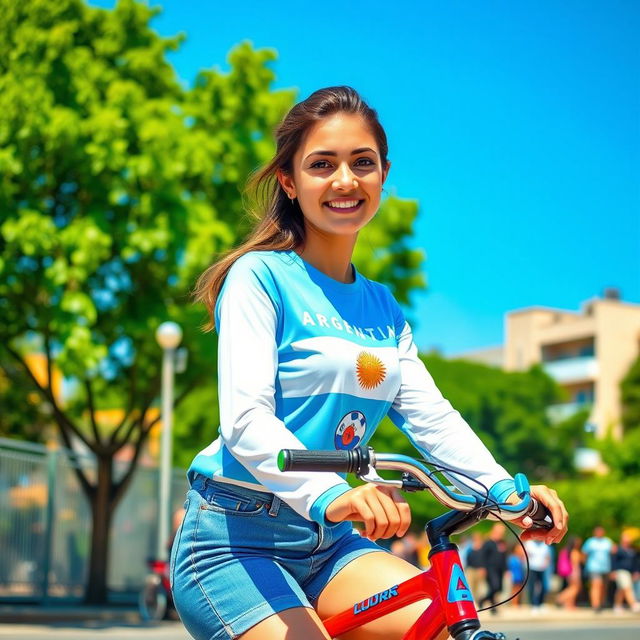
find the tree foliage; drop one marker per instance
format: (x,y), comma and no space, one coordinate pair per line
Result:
(621,455)
(630,396)
(600,500)
(117,186)
(24,416)
(382,252)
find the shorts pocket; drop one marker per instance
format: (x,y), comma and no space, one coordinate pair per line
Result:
(229,502)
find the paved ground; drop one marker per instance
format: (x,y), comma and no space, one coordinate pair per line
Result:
(554,624)
(124,624)
(538,630)
(593,630)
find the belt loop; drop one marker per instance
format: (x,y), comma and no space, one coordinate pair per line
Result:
(275,506)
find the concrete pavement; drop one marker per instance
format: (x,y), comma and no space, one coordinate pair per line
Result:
(23,617)
(549,613)
(33,614)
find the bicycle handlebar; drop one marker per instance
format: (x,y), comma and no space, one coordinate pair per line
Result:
(362,459)
(341,461)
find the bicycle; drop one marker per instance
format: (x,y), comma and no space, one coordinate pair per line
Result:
(452,604)
(155,600)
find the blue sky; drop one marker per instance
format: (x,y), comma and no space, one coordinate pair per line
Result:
(516,125)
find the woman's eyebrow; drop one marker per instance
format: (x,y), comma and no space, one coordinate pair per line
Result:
(333,153)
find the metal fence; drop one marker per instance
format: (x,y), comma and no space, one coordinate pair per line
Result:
(45,525)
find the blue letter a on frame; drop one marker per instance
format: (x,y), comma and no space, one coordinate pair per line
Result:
(458,586)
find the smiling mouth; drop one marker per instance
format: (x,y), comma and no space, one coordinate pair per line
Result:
(344,206)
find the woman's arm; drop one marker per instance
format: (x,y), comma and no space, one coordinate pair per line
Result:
(438,431)
(445,438)
(247,319)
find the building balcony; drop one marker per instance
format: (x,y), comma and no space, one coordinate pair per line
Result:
(572,369)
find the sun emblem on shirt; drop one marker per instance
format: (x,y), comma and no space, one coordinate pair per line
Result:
(370,370)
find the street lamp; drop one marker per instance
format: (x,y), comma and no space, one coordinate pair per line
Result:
(168,336)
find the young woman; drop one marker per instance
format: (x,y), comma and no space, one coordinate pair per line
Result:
(311,354)
(571,556)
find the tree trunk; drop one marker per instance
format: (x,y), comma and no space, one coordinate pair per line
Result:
(102,511)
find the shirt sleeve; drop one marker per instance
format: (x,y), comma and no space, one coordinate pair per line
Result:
(439,432)
(247,319)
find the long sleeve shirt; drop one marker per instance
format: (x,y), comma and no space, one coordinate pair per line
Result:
(308,362)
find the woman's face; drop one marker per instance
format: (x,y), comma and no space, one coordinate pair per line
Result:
(337,175)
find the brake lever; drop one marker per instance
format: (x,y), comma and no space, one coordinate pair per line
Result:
(372,476)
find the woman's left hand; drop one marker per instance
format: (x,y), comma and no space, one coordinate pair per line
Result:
(549,498)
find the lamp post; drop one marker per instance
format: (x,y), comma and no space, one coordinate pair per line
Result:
(168,336)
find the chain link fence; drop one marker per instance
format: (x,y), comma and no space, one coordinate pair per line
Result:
(45,525)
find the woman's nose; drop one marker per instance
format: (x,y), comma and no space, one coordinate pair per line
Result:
(344,178)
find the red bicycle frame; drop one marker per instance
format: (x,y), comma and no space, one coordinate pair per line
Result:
(444,583)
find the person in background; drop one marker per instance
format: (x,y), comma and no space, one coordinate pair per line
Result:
(550,570)
(636,575)
(571,551)
(597,550)
(623,561)
(563,566)
(464,546)
(406,548)
(474,568)
(539,561)
(495,564)
(516,568)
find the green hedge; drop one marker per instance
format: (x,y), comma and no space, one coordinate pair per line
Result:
(604,500)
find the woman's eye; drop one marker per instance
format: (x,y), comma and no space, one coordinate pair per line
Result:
(360,162)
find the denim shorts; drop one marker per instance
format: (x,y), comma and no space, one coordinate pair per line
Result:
(242,555)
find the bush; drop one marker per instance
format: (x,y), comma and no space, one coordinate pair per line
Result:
(600,500)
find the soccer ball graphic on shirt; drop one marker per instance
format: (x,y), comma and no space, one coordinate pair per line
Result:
(350,431)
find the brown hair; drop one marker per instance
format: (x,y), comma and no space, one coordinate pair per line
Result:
(280,221)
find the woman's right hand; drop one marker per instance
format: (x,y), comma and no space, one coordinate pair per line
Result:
(383,510)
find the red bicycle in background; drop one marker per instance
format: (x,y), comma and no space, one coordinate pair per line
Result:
(155,600)
(444,583)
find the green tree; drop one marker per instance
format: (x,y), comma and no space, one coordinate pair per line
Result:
(24,415)
(630,396)
(117,186)
(600,500)
(382,252)
(621,455)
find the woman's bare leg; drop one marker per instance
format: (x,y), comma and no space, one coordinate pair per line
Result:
(290,624)
(596,592)
(360,579)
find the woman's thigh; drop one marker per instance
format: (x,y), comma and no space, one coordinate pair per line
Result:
(360,579)
(289,625)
